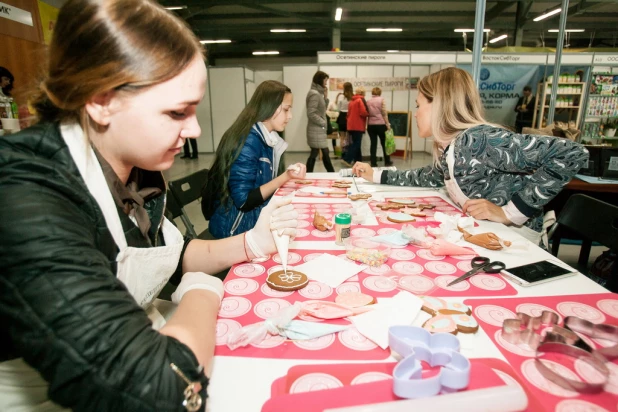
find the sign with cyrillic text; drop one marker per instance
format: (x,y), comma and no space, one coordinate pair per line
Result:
(13,13)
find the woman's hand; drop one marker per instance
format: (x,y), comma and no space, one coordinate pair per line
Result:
(363,170)
(483,209)
(297,171)
(278,215)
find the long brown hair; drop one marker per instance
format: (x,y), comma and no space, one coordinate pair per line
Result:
(456,105)
(348,92)
(99,46)
(264,103)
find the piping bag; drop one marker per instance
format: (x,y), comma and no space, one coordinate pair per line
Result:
(283,242)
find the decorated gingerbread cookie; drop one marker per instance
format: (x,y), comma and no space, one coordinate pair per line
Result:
(389,206)
(344,182)
(450,317)
(452,324)
(321,223)
(287,282)
(354,299)
(360,196)
(424,206)
(405,202)
(303,182)
(413,211)
(342,185)
(400,218)
(433,306)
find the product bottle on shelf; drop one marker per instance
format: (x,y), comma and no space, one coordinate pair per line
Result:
(14,108)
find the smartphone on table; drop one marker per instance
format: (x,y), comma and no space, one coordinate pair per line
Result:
(536,273)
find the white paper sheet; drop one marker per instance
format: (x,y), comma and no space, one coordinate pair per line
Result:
(402,309)
(329,269)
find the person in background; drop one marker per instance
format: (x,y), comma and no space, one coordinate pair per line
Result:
(6,82)
(357,121)
(525,110)
(187,153)
(491,173)
(243,176)
(342,119)
(317,102)
(333,115)
(377,125)
(84,245)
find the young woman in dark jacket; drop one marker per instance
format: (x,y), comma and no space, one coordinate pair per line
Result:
(84,245)
(490,172)
(243,176)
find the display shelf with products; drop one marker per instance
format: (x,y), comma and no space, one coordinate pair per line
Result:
(602,106)
(569,98)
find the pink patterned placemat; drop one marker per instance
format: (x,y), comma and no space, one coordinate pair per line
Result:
(249,300)
(421,272)
(326,184)
(596,308)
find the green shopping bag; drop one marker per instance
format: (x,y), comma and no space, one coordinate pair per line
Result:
(390,142)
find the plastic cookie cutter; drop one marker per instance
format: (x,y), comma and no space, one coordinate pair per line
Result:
(416,344)
(564,341)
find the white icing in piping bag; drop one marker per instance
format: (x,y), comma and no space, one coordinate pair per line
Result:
(283,243)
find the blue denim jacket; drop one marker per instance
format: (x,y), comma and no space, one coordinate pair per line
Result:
(253,168)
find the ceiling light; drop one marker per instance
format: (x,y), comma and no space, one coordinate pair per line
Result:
(338,13)
(376,29)
(392,51)
(261,53)
(497,39)
(469,30)
(548,14)
(214,41)
(288,30)
(567,30)
(176,7)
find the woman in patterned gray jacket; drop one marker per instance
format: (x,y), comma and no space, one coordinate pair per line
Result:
(492,173)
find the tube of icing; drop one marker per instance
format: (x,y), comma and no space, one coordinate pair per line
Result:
(496,399)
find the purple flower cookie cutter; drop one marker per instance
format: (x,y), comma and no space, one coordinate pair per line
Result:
(416,344)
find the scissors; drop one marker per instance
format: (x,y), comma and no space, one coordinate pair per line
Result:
(480,264)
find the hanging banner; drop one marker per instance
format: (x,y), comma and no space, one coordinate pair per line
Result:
(49,15)
(500,88)
(384,83)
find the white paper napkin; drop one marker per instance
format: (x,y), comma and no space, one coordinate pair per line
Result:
(329,269)
(400,310)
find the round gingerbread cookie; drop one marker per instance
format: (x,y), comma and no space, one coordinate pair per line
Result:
(287,282)
(354,299)
(400,218)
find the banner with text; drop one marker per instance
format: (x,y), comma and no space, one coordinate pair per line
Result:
(500,88)
(384,83)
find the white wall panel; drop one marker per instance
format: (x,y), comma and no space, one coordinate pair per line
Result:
(418,143)
(263,75)
(204,142)
(227,93)
(298,79)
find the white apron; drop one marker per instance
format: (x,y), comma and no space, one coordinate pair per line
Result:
(455,193)
(144,271)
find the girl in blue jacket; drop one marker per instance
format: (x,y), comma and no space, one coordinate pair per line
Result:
(243,176)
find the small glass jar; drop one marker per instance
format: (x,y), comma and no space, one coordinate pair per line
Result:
(342,227)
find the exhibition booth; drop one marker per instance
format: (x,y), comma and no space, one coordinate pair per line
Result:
(503,77)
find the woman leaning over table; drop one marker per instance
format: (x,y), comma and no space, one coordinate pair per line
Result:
(243,177)
(84,246)
(492,173)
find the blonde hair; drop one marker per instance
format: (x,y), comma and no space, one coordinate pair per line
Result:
(99,46)
(360,90)
(376,91)
(456,105)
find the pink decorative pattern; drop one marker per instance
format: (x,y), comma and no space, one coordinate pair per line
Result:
(241,286)
(416,283)
(440,268)
(315,382)
(488,282)
(233,307)
(320,343)
(493,314)
(581,310)
(379,284)
(316,290)
(609,306)
(225,327)
(368,377)
(348,287)
(270,307)
(248,270)
(352,339)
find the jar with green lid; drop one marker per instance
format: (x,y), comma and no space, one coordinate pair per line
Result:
(342,227)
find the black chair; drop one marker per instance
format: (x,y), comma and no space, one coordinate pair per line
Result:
(592,220)
(183,192)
